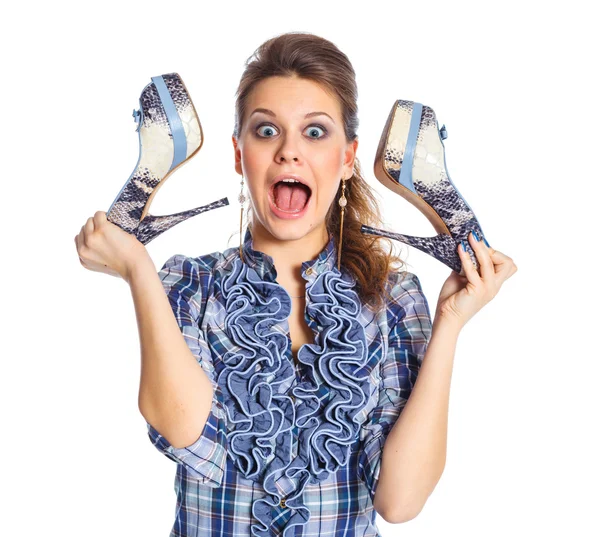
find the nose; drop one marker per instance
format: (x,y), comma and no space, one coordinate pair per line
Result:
(288,151)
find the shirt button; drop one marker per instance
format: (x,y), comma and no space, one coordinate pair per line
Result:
(309,271)
(282,503)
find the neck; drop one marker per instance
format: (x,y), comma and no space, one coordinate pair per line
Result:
(289,254)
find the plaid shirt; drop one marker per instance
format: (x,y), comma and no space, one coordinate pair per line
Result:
(289,449)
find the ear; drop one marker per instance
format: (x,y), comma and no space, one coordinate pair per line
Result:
(349,157)
(237,155)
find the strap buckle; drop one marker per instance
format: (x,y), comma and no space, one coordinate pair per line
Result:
(137,117)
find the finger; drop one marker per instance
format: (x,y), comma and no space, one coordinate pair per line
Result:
(503,264)
(89,226)
(76,239)
(494,256)
(500,254)
(99,218)
(80,244)
(486,266)
(467,263)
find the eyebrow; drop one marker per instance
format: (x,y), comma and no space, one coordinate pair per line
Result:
(310,114)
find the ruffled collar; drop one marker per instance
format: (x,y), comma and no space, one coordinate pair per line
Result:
(264,265)
(280,441)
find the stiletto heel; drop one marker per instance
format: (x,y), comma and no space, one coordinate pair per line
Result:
(170,134)
(411,162)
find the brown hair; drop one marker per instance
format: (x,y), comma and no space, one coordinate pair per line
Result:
(314,58)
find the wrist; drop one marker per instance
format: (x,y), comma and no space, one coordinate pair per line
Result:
(451,325)
(138,263)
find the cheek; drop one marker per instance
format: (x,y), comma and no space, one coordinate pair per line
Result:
(254,166)
(328,164)
(254,157)
(255,192)
(328,195)
(252,162)
(328,161)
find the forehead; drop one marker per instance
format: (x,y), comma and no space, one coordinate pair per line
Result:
(293,97)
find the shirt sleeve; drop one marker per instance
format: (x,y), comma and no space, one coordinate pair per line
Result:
(184,279)
(410,324)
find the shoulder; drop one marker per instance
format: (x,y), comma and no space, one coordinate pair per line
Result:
(193,276)
(188,281)
(407,297)
(404,286)
(204,264)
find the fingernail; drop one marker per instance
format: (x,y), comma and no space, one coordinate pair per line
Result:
(475,235)
(486,243)
(463,245)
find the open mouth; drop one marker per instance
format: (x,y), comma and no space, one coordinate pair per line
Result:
(290,196)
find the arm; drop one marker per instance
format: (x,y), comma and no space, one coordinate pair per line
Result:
(405,343)
(177,398)
(414,454)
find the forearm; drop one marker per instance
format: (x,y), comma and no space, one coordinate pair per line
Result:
(175,394)
(414,453)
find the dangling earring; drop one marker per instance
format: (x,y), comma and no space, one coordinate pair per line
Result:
(241,199)
(342,203)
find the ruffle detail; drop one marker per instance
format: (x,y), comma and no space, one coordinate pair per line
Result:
(332,386)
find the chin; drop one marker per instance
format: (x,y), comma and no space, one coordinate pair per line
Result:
(290,231)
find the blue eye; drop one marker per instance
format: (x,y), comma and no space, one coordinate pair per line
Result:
(265,125)
(312,127)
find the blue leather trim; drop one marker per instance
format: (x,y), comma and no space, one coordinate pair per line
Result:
(179,139)
(406,179)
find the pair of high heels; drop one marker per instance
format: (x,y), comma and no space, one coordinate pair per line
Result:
(170,134)
(410,161)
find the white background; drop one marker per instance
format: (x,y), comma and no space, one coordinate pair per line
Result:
(512,82)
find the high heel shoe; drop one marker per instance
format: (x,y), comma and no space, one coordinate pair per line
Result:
(170,134)
(411,162)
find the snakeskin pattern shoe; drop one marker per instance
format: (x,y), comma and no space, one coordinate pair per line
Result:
(411,161)
(170,134)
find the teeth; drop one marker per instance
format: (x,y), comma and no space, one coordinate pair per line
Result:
(290,181)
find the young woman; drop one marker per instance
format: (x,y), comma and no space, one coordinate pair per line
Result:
(309,338)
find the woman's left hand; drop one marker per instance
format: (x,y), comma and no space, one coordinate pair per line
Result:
(462,297)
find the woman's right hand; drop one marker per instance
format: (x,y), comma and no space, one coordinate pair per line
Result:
(104,247)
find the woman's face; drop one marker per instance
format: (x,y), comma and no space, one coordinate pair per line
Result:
(285,141)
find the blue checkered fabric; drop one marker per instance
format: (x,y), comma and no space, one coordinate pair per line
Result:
(289,449)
